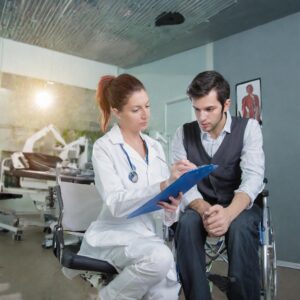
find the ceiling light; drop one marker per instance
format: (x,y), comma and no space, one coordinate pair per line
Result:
(44,99)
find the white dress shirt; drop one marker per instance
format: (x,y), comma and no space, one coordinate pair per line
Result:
(252,157)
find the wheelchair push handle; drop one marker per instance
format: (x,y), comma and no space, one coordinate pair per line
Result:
(265,193)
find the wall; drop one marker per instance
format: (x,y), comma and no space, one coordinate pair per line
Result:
(167,79)
(36,62)
(18,119)
(25,69)
(271,52)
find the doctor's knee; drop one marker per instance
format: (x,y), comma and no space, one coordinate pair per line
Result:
(157,262)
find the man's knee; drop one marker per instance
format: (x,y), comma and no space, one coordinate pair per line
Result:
(244,227)
(189,220)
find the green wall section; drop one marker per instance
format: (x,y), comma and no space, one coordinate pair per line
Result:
(272,52)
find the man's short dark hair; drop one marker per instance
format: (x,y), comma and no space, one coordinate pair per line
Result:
(207,81)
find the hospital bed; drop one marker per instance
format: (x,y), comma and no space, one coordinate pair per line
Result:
(35,181)
(31,175)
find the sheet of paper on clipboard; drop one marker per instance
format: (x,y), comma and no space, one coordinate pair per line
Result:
(182,184)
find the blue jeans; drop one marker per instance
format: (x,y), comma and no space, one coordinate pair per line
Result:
(242,242)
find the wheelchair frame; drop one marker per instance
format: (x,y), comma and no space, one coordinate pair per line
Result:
(268,252)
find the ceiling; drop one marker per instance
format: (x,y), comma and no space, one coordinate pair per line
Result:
(123,32)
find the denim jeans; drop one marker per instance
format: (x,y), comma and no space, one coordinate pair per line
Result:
(242,241)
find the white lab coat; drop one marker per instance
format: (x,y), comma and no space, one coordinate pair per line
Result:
(120,196)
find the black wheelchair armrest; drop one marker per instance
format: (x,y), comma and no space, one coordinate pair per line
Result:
(259,199)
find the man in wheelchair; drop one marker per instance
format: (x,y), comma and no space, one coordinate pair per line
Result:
(222,203)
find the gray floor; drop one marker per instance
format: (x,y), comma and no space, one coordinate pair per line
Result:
(35,274)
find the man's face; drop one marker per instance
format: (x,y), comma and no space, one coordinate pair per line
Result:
(209,113)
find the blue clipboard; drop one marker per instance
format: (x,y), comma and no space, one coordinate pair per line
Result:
(182,184)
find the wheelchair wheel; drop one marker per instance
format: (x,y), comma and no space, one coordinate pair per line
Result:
(269,280)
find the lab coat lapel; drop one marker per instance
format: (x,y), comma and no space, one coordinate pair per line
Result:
(115,135)
(152,151)
(116,138)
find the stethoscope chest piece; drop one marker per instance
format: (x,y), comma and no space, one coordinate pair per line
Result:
(133,176)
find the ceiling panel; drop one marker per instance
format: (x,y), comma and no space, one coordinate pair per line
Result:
(123,32)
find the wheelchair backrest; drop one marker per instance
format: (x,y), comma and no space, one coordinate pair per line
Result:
(81,205)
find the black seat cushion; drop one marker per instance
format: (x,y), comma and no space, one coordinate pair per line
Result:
(72,260)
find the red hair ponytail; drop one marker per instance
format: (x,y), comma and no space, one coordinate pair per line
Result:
(102,99)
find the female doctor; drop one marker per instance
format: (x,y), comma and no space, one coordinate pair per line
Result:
(129,170)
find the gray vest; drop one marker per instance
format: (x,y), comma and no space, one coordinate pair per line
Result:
(220,185)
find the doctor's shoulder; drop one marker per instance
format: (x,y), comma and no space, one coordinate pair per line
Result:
(102,145)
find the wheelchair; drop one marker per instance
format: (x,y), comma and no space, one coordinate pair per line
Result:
(216,250)
(79,205)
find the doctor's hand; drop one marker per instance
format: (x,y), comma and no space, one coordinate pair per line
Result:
(180,167)
(177,169)
(172,205)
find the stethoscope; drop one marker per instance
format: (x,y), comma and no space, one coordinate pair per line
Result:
(133,175)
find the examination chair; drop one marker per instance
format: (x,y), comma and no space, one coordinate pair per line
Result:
(79,205)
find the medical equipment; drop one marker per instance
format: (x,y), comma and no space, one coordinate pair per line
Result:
(133,176)
(29,144)
(32,175)
(74,154)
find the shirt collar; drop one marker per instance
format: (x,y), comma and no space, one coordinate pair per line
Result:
(116,137)
(227,127)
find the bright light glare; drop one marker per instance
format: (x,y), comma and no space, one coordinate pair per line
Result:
(44,99)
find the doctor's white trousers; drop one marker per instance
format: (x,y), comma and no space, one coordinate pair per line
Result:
(147,272)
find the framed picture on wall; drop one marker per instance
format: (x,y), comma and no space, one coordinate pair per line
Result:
(248,99)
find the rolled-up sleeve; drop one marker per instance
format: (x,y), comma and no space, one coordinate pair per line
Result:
(252,161)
